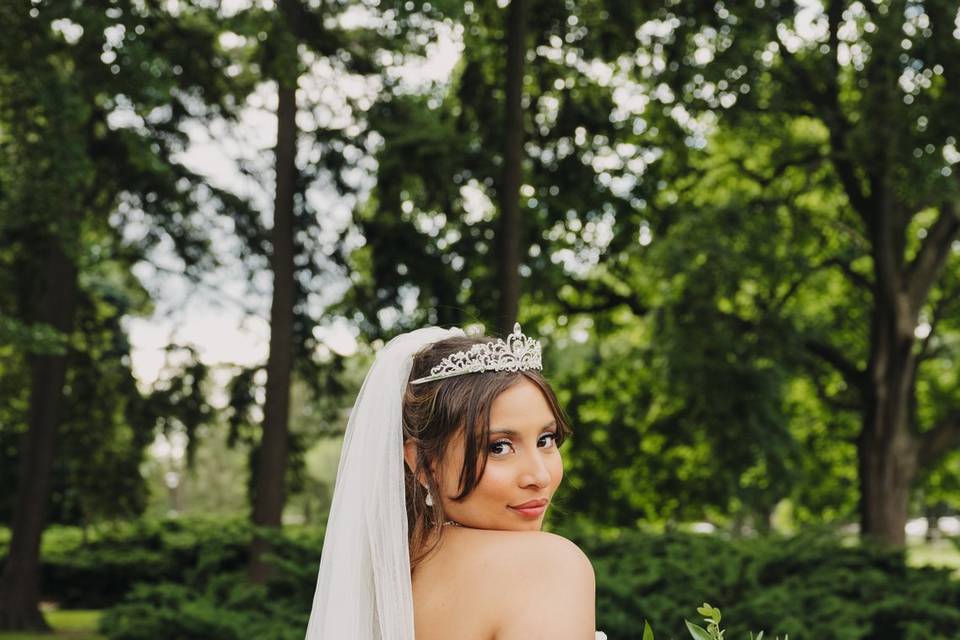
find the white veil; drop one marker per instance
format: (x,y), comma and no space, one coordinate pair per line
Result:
(363,589)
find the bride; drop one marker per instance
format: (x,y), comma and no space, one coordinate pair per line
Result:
(449,463)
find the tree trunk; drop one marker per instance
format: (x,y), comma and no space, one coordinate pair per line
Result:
(509,232)
(887,471)
(269,493)
(20,580)
(888,449)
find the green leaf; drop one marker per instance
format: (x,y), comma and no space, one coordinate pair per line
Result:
(709,612)
(647,632)
(698,632)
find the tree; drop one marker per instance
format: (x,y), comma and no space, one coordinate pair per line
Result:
(584,151)
(879,81)
(771,207)
(508,236)
(433,228)
(269,495)
(302,49)
(91,108)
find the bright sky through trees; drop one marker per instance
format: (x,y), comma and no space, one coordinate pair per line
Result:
(220,318)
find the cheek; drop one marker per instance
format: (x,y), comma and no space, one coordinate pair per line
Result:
(556,470)
(497,484)
(449,480)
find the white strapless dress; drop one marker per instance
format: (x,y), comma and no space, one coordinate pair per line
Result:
(601,635)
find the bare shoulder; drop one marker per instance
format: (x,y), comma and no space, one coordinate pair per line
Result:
(549,552)
(541,551)
(540,584)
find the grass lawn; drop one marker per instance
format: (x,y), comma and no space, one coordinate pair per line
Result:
(939,553)
(76,625)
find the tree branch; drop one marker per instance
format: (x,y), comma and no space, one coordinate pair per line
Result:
(854,376)
(811,160)
(943,438)
(840,155)
(855,277)
(858,279)
(827,101)
(608,299)
(941,306)
(927,265)
(841,403)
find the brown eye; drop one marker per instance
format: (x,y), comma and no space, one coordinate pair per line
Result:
(496,447)
(552,437)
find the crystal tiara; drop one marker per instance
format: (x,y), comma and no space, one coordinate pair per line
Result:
(517,353)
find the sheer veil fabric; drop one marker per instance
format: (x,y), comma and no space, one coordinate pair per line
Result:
(363,587)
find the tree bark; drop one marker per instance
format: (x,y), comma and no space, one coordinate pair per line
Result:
(887,451)
(20,580)
(269,493)
(887,471)
(509,232)
(891,449)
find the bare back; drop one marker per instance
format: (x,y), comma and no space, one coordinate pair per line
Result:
(499,585)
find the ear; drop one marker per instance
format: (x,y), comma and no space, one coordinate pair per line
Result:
(410,454)
(410,457)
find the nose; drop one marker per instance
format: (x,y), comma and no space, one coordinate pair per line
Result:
(534,472)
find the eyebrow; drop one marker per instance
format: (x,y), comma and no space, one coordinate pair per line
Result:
(512,432)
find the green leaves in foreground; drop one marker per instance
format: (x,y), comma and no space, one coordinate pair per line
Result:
(711,616)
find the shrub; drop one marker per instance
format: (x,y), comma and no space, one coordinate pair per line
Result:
(230,609)
(813,586)
(809,586)
(225,606)
(100,569)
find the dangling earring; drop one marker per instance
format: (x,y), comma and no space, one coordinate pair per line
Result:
(429,499)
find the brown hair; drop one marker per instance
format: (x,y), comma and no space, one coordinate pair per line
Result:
(434,412)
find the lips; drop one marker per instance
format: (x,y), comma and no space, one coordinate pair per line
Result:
(531,504)
(532,509)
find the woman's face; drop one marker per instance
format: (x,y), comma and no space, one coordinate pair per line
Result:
(524,467)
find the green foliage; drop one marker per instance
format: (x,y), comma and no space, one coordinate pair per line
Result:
(191,583)
(223,605)
(36,338)
(699,204)
(92,108)
(712,616)
(229,609)
(430,228)
(809,586)
(98,567)
(712,632)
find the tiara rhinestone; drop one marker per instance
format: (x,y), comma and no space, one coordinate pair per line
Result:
(517,353)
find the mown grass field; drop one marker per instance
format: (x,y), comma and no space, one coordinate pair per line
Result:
(939,553)
(75,625)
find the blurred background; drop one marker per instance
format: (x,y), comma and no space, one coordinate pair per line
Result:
(734,225)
